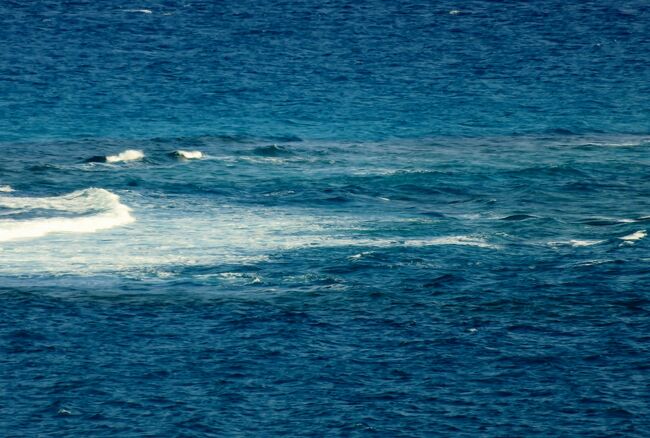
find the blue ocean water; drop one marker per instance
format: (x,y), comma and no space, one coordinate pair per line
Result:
(302,218)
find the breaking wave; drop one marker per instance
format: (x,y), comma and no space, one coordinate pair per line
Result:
(635,236)
(188,155)
(82,211)
(127,155)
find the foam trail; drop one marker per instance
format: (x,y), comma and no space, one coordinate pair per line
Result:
(435,241)
(452,240)
(189,155)
(640,142)
(127,155)
(578,243)
(6,189)
(99,210)
(634,236)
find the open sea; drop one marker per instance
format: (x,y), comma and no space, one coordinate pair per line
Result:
(324,218)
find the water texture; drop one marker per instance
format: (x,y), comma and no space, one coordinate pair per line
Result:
(324,218)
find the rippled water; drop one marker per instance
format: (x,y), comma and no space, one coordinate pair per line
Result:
(393,219)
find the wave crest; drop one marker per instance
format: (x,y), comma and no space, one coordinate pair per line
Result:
(189,155)
(83,211)
(634,236)
(127,155)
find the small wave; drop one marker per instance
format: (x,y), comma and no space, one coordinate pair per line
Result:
(6,189)
(560,131)
(601,222)
(435,241)
(452,240)
(634,236)
(577,242)
(272,151)
(188,155)
(265,160)
(518,217)
(594,262)
(97,209)
(621,144)
(141,11)
(128,155)
(604,141)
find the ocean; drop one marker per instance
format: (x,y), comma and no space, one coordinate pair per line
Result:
(335,218)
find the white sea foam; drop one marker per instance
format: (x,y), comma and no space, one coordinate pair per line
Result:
(267,160)
(594,262)
(142,11)
(622,144)
(6,189)
(575,242)
(175,231)
(96,209)
(452,240)
(578,243)
(634,236)
(190,155)
(434,241)
(127,155)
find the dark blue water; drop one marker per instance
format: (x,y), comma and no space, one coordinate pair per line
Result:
(324,218)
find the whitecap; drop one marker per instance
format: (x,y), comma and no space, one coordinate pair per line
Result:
(83,211)
(141,11)
(189,155)
(360,255)
(6,189)
(638,235)
(127,155)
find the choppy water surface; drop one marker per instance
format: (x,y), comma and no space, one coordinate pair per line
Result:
(334,219)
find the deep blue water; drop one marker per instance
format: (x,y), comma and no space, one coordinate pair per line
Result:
(331,218)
